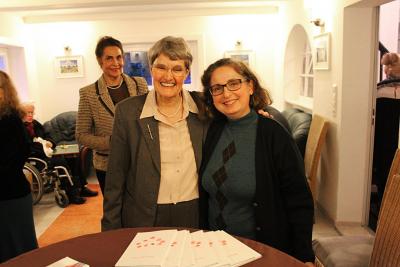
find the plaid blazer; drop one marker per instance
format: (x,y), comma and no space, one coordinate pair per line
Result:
(96,116)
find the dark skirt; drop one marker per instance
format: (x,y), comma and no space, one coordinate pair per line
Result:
(181,214)
(17,230)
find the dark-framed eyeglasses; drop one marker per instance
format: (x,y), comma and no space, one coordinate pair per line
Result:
(177,71)
(231,85)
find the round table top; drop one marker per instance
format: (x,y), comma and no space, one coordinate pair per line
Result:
(105,248)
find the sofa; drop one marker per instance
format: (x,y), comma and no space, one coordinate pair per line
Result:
(299,125)
(61,129)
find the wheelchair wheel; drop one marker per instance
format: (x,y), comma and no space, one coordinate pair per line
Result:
(36,181)
(61,198)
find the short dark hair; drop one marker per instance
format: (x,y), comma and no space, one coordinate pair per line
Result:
(106,41)
(260,98)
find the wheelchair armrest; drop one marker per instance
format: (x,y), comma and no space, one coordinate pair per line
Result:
(35,160)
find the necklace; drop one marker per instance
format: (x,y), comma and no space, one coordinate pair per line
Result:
(172,115)
(115,86)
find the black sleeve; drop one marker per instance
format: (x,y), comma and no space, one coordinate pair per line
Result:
(295,192)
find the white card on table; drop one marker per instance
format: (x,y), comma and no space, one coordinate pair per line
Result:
(237,252)
(188,256)
(68,262)
(204,256)
(148,249)
(174,256)
(218,248)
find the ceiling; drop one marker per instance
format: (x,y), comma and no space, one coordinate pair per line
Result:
(33,11)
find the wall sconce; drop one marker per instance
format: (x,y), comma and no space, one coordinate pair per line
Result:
(67,50)
(318,22)
(238,44)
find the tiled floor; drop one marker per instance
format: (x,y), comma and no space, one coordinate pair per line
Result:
(46,211)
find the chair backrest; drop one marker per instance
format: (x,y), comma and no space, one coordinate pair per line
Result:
(61,128)
(315,141)
(386,249)
(395,167)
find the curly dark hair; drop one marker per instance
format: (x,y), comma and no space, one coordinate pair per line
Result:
(259,100)
(10,102)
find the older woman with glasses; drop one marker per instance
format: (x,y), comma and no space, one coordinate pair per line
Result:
(156,148)
(252,181)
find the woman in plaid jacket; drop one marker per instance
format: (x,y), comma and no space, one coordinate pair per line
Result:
(97,104)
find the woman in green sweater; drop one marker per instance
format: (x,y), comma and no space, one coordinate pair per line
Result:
(252,180)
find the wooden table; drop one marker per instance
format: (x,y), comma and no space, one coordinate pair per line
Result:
(104,249)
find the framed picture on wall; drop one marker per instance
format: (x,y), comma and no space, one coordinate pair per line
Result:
(69,66)
(136,64)
(322,51)
(247,56)
(3,59)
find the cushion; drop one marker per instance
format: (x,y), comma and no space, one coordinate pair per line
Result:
(344,251)
(61,128)
(278,117)
(299,123)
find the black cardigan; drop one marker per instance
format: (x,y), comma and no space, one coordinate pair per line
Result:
(283,203)
(14,147)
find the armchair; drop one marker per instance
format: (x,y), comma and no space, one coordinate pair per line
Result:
(61,129)
(299,125)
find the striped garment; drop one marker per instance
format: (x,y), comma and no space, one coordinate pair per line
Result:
(96,116)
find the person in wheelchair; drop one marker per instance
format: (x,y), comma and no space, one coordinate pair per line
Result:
(41,148)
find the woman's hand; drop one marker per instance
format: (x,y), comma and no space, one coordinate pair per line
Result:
(265,114)
(309,264)
(49,144)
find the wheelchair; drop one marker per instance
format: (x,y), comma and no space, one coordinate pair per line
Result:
(44,179)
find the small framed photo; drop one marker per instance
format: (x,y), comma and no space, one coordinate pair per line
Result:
(69,67)
(247,56)
(322,51)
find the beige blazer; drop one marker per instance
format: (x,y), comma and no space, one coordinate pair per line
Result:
(96,115)
(134,171)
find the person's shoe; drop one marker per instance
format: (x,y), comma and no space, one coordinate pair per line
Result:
(86,192)
(77,200)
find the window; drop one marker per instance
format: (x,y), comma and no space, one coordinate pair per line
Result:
(299,70)
(307,74)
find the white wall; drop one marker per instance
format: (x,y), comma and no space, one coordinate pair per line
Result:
(389,31)
(345,163)
(11,39)
(218,33)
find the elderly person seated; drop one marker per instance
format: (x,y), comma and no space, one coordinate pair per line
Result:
(39,149)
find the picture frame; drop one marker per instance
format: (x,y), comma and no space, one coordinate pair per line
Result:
(137,64)
(246,56)
(322,51)
(68,66)
(4,60)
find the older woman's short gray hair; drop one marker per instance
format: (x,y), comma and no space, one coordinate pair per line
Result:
(175,48)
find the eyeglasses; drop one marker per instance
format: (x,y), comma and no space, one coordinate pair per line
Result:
(231,85)
(177,71)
